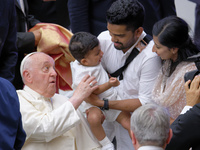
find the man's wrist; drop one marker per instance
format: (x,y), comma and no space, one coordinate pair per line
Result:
(106,104)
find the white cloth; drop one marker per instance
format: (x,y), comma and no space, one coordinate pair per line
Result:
(79,71)
(22,5)
(141,73)
(53,124)
(138,81)
(168,90)
(185,109)
(150,148)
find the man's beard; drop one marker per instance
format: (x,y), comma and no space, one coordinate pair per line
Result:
(121,47)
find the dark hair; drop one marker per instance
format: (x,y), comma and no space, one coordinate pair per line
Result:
(173,32)
(81,43)
(126,12)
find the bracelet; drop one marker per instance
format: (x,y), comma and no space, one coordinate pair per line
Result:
(106,105)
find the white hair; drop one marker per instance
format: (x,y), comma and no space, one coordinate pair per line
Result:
(150,124)
(25,63)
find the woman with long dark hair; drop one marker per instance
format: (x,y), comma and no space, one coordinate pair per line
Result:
(174,45)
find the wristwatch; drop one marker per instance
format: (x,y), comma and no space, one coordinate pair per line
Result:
(106,105)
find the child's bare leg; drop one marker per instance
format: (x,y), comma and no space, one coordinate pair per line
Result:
(95,118)
(124,119)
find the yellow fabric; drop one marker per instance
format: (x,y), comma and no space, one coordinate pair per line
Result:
(54,41)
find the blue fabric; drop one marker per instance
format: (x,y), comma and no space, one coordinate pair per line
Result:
(156,10)
(195,1)
(19,2)
(88,15)
(8,49)
(12,135)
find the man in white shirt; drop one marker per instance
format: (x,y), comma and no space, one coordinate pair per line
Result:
(51,121)
(186,128)
(150,127)
(124,36)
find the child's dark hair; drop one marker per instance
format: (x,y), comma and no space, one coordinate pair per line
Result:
(81,43)
(173,32)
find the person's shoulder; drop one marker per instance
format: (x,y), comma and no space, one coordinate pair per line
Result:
(5,84)
(147,51)
(188,65)
(78,69)
(4,81)
(104,35)
(8,91)
(74,64)
(105,42)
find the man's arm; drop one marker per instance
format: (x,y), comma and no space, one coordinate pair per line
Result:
(186,130)
(8,42)
(186,127)
(129,105)
(124,105)
(25,42)
(42,125)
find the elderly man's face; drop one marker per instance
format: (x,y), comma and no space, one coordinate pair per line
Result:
(43,75)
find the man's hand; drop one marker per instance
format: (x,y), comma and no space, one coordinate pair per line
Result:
(193,92)
(113,82)
(37,34)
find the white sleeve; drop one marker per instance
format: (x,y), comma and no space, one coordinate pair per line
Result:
(43,127)
(78,72)
(185,109)
(148,77)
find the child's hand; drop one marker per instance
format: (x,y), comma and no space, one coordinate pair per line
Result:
(113,81)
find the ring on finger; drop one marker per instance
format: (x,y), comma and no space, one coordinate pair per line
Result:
(91,84)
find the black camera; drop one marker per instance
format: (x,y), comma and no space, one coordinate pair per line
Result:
(191,74)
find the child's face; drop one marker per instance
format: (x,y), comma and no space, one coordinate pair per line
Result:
(93,58)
